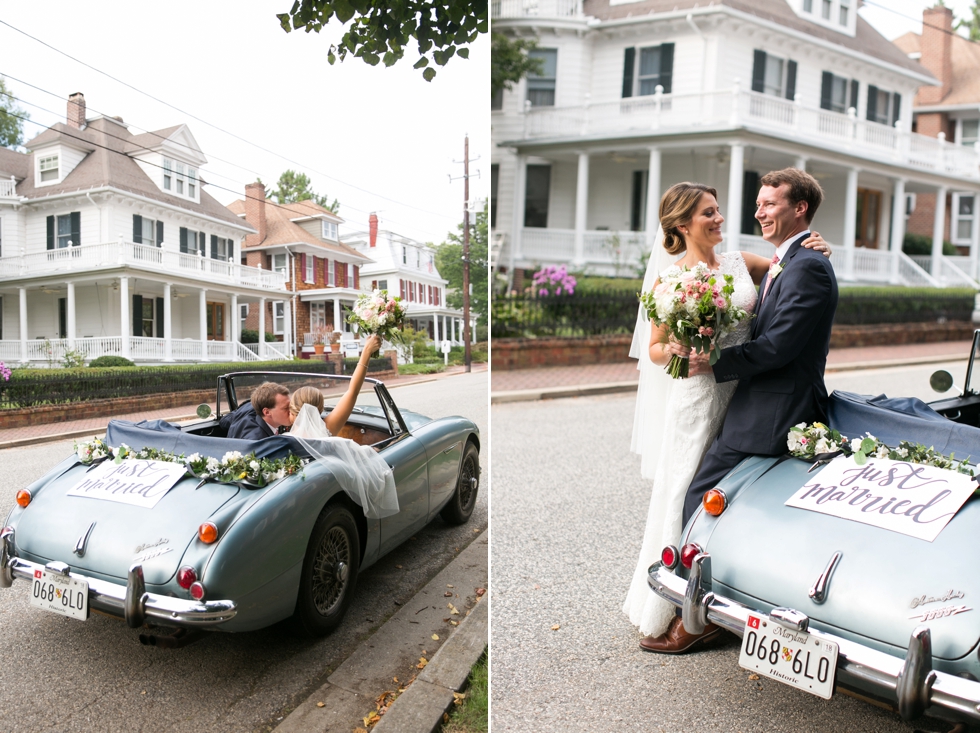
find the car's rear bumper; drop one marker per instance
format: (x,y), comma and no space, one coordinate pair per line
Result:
(131,601)
(910,685)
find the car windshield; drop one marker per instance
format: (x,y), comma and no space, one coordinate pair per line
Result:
(973,372)
(332,387)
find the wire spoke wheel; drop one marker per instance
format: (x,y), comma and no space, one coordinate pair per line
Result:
(331,569)
(333,556)
(461,503)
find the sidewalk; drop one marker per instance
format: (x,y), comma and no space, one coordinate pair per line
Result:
(569,381)
(88,427)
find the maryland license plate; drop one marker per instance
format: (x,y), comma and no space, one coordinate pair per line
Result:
(59,594)
(795,658)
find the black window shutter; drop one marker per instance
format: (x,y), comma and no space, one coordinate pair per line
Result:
(872,102)
(50,232)
(202,243)
(214,246)
(159,233)
(137,315)
(159,315)
(183,239)
(666,66)
(76,228)
(629,59)
(750,192)
(855,84)
(759,71)
(826,90)
(791,80)
(137,229)
(896,107)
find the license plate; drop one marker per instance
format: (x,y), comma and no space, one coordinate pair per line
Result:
(59,594)
(795,658)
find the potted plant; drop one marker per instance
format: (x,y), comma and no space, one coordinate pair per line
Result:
(335,341)
(319,339)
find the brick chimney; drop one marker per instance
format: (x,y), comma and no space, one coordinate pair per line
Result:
(373,229)
(937,56)
(255,212)
(76,110)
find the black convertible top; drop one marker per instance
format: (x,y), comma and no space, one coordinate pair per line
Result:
(162,435)
(893,419)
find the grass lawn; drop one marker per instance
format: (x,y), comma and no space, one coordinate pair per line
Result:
(472,715)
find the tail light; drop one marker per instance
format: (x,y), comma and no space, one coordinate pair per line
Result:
(207,533)
(688,553)
(197,590)
(186,577)
(714,502)
(23,497)
(669,557)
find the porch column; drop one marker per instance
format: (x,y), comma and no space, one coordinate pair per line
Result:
(581,207)
(735,181)
(850,219)
(974,238)
(938,224)
(653,198)
(203,322)
(235,318)
(168,344)
(338,318)
(126,321)
(801,162)
(70,314)
(517,225)
(22,300)
(261,328)
(898,225)
(435,329)
(287,326)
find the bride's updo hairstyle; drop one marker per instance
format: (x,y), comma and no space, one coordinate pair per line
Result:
(676,209)
(305,395)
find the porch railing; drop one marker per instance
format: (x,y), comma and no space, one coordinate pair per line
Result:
(536,8)
(954,270)
(141,349)
(8,188)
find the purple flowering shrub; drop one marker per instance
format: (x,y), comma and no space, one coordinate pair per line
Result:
(4,372)
(553,280)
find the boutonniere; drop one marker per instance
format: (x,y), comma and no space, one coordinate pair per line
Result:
(774,270)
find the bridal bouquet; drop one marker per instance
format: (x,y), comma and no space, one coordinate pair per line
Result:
(696,306)
(377,313)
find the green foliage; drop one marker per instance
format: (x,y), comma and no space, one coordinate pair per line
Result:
(110,361)
(294,187)
(864,305)
(426,368)
(381,30)
(72,359)
(449,262)
(972,25)
(251,336)
(509,62)
(919,244)
(12,118)
(473,715)
(381,364)
(413,342)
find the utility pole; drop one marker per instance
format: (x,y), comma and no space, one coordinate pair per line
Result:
(467,331)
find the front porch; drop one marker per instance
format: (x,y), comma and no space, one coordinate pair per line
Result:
(140,349)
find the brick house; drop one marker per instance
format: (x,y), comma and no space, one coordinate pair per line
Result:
(322,273)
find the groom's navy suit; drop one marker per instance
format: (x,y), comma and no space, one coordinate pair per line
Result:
(780,369)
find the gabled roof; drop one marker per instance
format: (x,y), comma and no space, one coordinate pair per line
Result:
(150,139)
(14,164)
(964,87)
(280,229)
(107,164)
(866,39)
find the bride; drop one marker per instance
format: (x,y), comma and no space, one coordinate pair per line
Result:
(693,408)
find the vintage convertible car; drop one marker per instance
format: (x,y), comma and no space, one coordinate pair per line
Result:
(235,556)
(827,604)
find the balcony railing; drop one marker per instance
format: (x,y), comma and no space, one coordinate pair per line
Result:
(535,9)
(8,189)
(683,113)
(145,257)
(141,349)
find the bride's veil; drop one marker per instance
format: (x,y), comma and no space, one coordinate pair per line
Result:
(654,386)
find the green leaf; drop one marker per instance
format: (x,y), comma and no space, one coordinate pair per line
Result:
(868,445)
(463,53)
(421,63)
(860,458)
(429,74)
(715,354)
(343,10)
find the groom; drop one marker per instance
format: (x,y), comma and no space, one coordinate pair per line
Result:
(780,369)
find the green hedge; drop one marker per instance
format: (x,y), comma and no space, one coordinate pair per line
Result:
(30,387)
(919,244)
(381,364)
(251,336)
(869,305)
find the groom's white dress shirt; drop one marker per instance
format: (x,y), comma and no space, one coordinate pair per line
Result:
(781,249)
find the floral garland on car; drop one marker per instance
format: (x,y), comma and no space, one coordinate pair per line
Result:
(233,467)
(817,442)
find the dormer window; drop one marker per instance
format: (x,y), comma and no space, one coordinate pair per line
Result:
(830,11)
(179,179)
(329,230)
(844,8)
(168,173)
(192,182)
(48,168)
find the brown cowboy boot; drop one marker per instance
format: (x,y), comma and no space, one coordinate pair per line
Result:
(676,640)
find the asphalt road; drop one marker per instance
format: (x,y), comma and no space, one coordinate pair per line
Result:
(67,675)
(568,516)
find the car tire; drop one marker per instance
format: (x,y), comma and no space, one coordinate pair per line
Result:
(329,572)
(460,506)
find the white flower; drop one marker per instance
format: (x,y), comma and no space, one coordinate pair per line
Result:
(793,441)
(193,457)
(254,465)
(882,452)
(230,456)
(903,452)
(213,464)
(822,446)
(774,271)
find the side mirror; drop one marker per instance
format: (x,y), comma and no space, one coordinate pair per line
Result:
(941,381)
(204,410)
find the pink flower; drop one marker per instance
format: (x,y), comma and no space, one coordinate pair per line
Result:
(720,302)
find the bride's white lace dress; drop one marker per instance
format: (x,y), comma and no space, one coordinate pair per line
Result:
(695,409)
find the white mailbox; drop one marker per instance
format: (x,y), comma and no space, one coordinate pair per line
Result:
(351,348)
(446,346)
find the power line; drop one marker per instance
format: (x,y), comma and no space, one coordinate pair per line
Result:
(916,20)
(216,127)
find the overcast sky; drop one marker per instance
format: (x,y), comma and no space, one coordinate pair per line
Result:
(893,18)
(377,139)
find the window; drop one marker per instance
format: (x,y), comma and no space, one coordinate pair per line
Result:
(964,217)
(494,176)
(418,258)
(279,317)
(192,182)
(382,284)
(242,316)
(331,273)
(909,204)
(404,254)
(180,178)
(643,72)
(318,315)
(807,6)
(64,230)
(279,264)
(146,318)
(773,75)
(48,168)
(192,241)
(350,275)
(825,9)
(308,276)
(969,132)
(329,230)
(836,94)
(216,321)
(497,100)
(536,195)
(844,8)
(168,173)
(221,248)
(883,107)
(867,218)
(541,87)
(638,201)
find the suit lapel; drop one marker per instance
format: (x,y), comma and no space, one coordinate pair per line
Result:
(766,308)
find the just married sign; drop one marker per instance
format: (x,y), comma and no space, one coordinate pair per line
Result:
(909,498)
(139,482)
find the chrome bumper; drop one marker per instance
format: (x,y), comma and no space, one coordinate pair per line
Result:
(910,684)
(130,601)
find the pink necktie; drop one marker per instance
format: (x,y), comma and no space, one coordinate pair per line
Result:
(774,261)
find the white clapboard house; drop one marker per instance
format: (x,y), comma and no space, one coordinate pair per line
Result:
(635,96)
(110,244)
